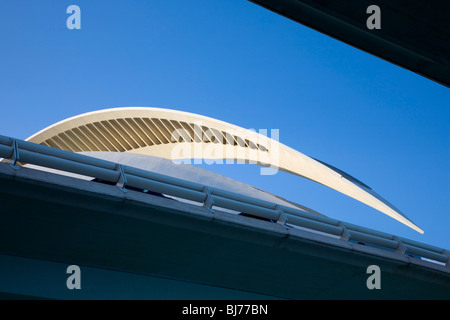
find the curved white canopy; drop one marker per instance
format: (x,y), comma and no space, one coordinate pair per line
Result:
(175,134)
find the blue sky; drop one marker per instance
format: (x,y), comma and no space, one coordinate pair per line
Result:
(237,62)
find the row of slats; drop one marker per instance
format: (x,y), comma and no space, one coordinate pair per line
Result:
(126,134)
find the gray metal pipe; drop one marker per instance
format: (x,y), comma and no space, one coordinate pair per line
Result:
(364,237)
(314,225)
(245,208)
(426,253)
(7,141)
(162,187)
(5,151)
(360,229)
(68,165)
(163,178)
(242,198)
(67,155)
(308,215)
(422,245)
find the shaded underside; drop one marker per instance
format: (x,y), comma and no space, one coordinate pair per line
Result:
(156,238)
(414,34)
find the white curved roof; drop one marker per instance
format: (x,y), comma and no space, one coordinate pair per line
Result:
(175,134)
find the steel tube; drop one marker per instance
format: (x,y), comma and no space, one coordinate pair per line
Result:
(165,188)
(245,208)
(364,237)
(163,178)
(5,151)
(63,154)
(314,225)
(308,215)
(68,165)
(426,253)
(242,198)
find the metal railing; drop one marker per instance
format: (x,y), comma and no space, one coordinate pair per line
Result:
(19,151)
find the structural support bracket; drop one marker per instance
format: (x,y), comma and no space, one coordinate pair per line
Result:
(209,202)
(345,235)
(400,249)
(282,217)
(15,156)
(122,181)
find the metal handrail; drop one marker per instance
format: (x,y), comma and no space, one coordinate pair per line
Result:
(20,151)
